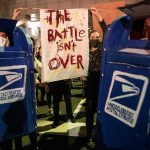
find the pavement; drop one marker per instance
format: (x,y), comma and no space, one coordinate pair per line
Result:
(68,135)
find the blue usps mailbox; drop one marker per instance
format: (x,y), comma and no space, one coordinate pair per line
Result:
(124,105)
(17,105)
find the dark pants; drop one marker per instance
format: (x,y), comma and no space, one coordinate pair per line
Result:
(40,100)
(33,140)
(60,88)
(49,99)
(7,145)
(91,94)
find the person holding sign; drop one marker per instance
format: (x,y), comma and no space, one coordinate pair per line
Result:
(92,85)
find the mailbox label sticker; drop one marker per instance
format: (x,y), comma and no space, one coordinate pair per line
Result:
(12,83)
(125,97)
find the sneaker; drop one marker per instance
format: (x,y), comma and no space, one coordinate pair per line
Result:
(90,144)
(55,124)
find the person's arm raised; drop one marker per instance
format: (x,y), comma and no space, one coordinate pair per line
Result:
(100,19)
(96,13)
(16,13)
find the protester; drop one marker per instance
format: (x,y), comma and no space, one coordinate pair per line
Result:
(39,84)
(58,89)
(93,78)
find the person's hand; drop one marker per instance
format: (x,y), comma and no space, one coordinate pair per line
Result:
(95,12)
(16,12)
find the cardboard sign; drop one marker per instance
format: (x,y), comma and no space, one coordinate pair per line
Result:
(65,43)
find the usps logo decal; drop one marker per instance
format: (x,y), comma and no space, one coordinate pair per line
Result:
(126,95)
(12,85)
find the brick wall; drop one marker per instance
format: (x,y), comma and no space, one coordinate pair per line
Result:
(7,7)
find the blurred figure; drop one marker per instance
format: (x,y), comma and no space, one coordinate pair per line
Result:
(4,41)
(49,101)
(39,84)
(146,30)
(83,79)
(140,29)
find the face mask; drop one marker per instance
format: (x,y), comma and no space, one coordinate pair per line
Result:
(94,43)
(4,42)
